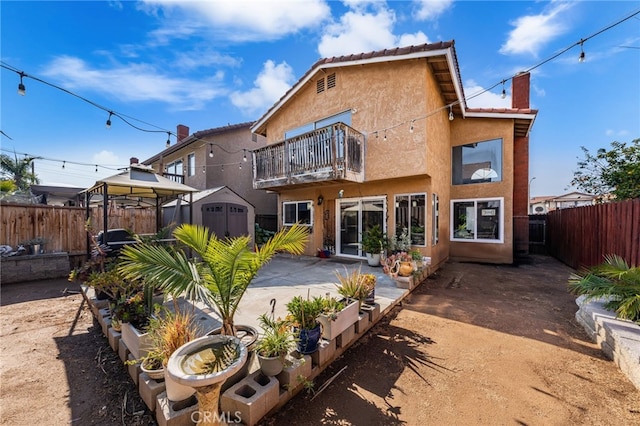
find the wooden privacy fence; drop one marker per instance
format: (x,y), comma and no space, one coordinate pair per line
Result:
(582,236)
(63,228)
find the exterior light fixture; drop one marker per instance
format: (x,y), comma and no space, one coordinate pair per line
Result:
(341,193)
(21,89)
(320,199)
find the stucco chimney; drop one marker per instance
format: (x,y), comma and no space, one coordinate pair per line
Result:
(134,160)
(183,132)
(520,90)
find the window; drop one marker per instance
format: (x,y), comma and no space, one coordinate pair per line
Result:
(477,162)
(411,215)
(435,219)
(297,211)
(344,117)
(175,169)
(477,220)
(191,164)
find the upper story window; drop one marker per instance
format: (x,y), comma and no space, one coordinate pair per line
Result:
(297,212)
(478,162)
(343,117)
(411,215)
(191,164)
(175,169)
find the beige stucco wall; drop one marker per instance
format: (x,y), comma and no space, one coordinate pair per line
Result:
(477,130)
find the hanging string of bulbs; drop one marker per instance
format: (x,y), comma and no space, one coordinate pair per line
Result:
(155,129)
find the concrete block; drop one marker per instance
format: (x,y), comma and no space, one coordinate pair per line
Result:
(138,343)
(134,369)
(373,310)
(325,353)
(346,337)
(404,282)
(296,365)
(150,389)
(363,323)
(114,339)
(106,325)
(123,350)
(181,413)
(251,398)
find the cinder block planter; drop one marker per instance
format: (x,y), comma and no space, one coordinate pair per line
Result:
(404,282)
(150,389)
(134,369)
(114,339)
(251,398)
(373,310)
(123,350)
(182,413)
(363,323)
(106,326)
(325,353)
(295,365)
(346,337)
(331,328)
(138,343)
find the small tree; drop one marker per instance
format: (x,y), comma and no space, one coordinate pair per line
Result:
(18,171)
(615,172)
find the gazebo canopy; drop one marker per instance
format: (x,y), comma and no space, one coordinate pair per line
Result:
(137,183)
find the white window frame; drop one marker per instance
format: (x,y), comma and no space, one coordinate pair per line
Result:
(191,168)
(475,238)
(309,203)
(411,195)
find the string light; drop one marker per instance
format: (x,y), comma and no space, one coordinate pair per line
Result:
(244,156)
(240,166)
(385,135)
(504,92)
(581,57)
(21,89)
(450,113)
(108,123)
(411,126)
(210,150)
(63,163)
(204,169)
(168,144)
(96,168)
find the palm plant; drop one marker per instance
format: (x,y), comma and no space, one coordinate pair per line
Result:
(615,281)
(18,170)
(220,272)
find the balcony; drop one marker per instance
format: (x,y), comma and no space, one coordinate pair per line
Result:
(330,154)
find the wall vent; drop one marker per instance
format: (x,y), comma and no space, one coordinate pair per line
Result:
(331,81)
(320,86)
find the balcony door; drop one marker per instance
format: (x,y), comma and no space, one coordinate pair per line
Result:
(356,215)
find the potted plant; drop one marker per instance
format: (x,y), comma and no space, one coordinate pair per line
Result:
(373,241)
(337,315)
(276,342)
(303,315)
(355,285)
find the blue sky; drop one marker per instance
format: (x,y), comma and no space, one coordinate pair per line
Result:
(209,64)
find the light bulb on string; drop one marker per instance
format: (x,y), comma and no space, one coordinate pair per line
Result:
(168,144)
(21,89)
(244,156)
(411,126)
(96,168)
(204,169)
(504,92)
(210,150)
(240,166)
(63,163)
(108,123)
(581,57)
(450,113)
(222,168)
(385,136)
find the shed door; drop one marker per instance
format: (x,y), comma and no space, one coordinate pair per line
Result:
(225,219)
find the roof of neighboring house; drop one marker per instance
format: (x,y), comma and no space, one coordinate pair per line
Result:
(197,196)
(575,196)
(196,137)
(541,199)
(447,73)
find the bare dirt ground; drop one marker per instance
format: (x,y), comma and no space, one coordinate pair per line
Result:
(473,344)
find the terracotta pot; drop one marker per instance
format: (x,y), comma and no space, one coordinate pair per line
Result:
(405,269)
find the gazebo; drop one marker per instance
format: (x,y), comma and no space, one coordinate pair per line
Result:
(137,185)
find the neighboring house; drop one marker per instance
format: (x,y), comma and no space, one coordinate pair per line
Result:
(545,204)
(219,157)
(386,138)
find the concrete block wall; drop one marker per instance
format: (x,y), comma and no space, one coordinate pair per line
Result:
(44,266)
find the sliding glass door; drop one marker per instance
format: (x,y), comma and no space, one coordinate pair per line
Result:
(355,216)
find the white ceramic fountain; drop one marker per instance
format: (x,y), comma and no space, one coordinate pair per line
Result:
(204,364)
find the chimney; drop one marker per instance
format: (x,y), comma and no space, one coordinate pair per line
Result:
(520,90)
(133,160)
(183,132)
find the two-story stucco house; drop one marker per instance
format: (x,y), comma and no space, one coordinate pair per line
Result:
(387,138)
(217,161)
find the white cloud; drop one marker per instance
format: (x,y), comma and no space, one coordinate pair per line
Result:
(135,82)
(532,32)
(428,10)
(105,157)
(238,20)
(361,31)
(270,85)
(478,98)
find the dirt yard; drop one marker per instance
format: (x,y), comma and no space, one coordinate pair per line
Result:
(473,344)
